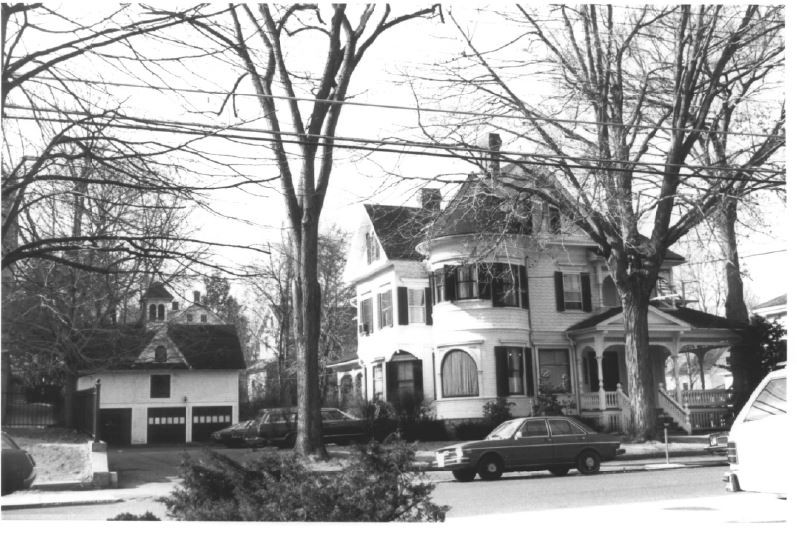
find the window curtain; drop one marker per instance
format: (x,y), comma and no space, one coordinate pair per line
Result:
(459,375)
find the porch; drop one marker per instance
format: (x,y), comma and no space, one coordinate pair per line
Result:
(695,412)
(680,342)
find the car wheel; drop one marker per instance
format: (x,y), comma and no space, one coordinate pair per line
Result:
(559,471)
(490,468)
(588,463)
(465,475)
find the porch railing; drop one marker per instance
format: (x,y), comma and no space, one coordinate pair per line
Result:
(671,407)
(611,400)
(590,400)
(702,398)
(704,419)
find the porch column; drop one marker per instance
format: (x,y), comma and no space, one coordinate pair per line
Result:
(601,391)
(676,373)
(700,352)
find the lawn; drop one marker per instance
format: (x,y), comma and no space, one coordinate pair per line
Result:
(60,454)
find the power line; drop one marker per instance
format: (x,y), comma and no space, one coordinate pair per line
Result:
(171,126)
(395,106)
(740,257)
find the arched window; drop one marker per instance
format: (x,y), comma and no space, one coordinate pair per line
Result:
(161,312)
(152,312)
(160,353)
(458,375)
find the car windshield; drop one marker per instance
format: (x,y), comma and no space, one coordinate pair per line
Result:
(504,431)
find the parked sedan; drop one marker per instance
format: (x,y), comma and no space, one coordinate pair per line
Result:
(554,443)
(241,434)
(19,468)
(278,426)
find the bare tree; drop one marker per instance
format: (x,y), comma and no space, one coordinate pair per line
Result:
(262,37)
(620,148)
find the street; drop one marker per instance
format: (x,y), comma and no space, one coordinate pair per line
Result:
(693,494)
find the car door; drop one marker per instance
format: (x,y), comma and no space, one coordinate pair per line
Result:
(567,440)
(531,445)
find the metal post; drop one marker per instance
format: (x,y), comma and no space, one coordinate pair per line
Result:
(666,444)
(95,428)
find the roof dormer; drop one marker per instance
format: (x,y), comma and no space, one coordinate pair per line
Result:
(156,303)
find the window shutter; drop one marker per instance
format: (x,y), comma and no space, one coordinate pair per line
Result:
(501,380)
(484,282)
(428,294)
(403,312)
(586,293)
(529,371)
(524,287)
(417,378)
(558,285)
(391,382)
(450,275)
(431,286)
(379,309)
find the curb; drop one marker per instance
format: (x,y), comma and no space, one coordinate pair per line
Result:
(65,503)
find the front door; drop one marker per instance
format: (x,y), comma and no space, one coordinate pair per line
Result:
(531,446)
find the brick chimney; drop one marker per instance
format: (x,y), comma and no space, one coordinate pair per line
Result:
(492,157)
(196,297)
(429,199)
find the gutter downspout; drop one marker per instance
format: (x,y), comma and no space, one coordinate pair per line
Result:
(535,375)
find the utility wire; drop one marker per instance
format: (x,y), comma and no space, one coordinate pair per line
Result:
(397,107)
(179,127)
(740,257)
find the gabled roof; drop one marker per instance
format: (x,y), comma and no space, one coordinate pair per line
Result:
(695,318)
(203,347)
(208,346)
(777,301)
(157,290)
(398,229)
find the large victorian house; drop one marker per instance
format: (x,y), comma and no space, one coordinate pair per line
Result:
(461,305)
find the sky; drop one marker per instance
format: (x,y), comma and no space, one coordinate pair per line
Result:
(405,53)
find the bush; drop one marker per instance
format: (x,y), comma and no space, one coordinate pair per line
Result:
(546,404)
(497,412)
(472,430)
(130,516)
(378,486)
(425,431)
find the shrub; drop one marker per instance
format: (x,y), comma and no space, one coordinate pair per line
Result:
(546,404)
(378,486)
(472,430)
(424,430)
(498,411)
(130,516)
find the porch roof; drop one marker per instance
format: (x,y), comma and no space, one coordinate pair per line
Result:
(694,318)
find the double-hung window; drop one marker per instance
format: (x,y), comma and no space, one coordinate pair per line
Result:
(467,281)
(510,365)
(416,306)
(366,316)
(554,371)
(379,382)
(160,386)
(385,308)
(571,286)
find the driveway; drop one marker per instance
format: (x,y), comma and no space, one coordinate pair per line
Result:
(138,465)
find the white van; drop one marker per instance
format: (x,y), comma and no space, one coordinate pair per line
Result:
(758,442)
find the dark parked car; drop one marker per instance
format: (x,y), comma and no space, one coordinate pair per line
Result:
(19,468)
(277,426)
(243,434)
(554,443)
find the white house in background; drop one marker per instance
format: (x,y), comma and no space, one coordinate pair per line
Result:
(173,378)
(773,310)
(458,308)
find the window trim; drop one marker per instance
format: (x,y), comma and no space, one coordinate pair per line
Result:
(446,358)
(385,311)
(152,387)
(416,307)
(541,378)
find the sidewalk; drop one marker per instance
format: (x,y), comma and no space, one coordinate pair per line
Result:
(638,457)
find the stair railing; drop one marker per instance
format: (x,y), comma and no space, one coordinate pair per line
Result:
(679,414)
(624,403)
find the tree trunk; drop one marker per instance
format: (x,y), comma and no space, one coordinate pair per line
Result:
(735,308)
(307,327)
(641,388)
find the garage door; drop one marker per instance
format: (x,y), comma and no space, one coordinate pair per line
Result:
(115,426)
(166,425)
(207,419)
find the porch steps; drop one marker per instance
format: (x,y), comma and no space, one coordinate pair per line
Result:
(673,429)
